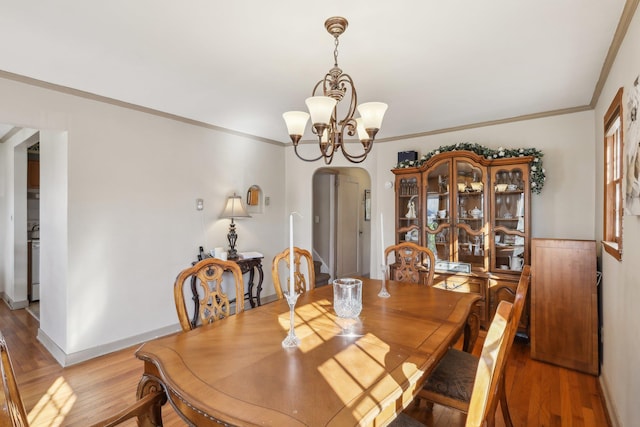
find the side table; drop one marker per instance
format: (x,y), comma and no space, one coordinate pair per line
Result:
(251,265)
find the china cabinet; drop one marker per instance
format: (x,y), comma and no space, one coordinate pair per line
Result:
(474,214)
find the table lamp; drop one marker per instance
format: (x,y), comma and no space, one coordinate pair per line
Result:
(233,209)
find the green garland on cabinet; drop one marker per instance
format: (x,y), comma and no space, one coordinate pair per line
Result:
(537,175)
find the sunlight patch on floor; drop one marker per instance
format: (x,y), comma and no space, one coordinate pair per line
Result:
(53,406)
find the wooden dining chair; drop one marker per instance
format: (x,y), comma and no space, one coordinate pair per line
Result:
(210,301)
(452,381)
(13,413)
(483,399)
(410,263)
(304,277)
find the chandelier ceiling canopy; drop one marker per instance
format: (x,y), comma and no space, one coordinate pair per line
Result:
(323,109)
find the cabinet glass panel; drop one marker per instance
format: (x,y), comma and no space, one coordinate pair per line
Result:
(509,218)
(437,205)
(470,190)
(408,209)
(470,181)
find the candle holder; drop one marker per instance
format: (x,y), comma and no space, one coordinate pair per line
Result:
(383,289)
(291,340)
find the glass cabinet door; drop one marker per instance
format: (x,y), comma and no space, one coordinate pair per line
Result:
(471,213)
(437,232)
(408,208)
(509,214)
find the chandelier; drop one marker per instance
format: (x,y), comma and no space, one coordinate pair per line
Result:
(323,108)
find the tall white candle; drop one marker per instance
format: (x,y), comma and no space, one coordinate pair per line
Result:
(384,261)
(291,279)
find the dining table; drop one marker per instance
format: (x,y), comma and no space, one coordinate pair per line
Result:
(344,372)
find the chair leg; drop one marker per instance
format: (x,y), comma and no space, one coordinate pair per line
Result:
(428,403)
(503,402)
(471,331)
(491,420)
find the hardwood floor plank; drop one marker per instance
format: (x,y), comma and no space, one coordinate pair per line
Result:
(566,398)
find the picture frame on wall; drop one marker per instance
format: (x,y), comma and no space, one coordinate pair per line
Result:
(367,205)
(632,148)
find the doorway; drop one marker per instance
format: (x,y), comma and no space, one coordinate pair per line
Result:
(20,205)
(341,235)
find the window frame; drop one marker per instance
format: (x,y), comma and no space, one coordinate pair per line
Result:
(613,177)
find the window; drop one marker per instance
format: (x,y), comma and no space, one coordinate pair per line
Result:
(613,157)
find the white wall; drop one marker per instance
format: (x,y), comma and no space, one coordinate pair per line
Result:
(130,179)
(620,376)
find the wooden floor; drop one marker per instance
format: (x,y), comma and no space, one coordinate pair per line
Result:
(539,394)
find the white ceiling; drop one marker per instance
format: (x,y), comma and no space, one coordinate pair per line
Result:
(240,64)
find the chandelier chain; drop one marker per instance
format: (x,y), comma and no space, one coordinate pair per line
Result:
(335,52)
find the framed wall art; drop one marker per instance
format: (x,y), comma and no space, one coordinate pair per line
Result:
(632,148)
(367,205)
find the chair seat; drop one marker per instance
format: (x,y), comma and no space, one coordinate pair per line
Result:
(452,379)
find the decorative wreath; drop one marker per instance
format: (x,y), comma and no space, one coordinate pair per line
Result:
(537,175)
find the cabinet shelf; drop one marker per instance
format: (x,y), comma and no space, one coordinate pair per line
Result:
(500,246)
(507,192)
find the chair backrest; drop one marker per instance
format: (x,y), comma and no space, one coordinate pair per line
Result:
(412,263)
(12,412)
(519,301)
(210,302)
(302,282)
(484,397)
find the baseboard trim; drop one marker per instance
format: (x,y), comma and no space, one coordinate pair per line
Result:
(609,408)
(81,356)
(14,305)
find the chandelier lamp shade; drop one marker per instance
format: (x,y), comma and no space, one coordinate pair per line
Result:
(330,130)
(233,209)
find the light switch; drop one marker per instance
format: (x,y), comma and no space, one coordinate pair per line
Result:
(317,219)
(267,200)
(199,204)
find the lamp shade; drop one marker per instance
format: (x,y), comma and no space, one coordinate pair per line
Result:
(234,208)
(325,137)
(320,108)
(296,122)
(362,132)
(372,114)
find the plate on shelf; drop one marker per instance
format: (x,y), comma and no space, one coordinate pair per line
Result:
(509,240)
